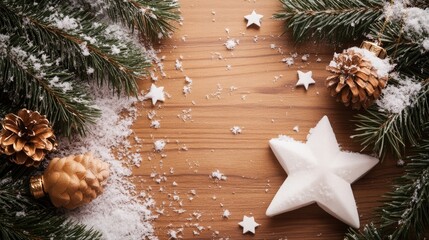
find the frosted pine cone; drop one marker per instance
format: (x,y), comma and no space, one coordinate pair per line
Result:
(354,81)
(26,137)
(72,181)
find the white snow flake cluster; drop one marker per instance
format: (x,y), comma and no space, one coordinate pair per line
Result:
(396,98)
(416,21)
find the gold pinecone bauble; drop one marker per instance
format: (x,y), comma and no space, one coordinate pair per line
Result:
(71,181)
(26,137)
(355,81)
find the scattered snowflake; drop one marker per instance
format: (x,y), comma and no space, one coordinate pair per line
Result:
(115,50)
(226,213)
(159,145)
(230,44)
(272,46)
(155,124)
(89,70)
(236,130)
(289,61)
(185,115)
(396,98)
(84,49)
(4,43)
(400,163)
(153,76)
(296,128)
(305,57)
(188,87)
(218,175)
(65,23)
(178,65)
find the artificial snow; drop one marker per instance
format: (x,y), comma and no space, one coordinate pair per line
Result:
(159,145)
(4,43)
(65,23)
(236,130)
(115,50)
(84,49)
(218,175)
(414,19)
(396,98)
(155,124)
(230,44)
(117,213)
(64,86)
(226,213)
(90,70)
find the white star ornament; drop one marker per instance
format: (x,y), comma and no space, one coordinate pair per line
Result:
(156,94)
(318,172)
(253,18)
(305,79)
(248,224)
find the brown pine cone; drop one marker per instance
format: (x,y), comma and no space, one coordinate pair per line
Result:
(354,81)
(26,137)
(71,181)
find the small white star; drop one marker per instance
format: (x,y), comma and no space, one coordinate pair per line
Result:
(248,224)
(305,79)
(253,18)
(156,94)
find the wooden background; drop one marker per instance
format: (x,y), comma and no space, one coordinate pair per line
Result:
(263,106)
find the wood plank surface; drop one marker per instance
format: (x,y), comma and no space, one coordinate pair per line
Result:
(248,95)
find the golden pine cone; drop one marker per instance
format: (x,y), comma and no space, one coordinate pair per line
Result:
(26,137)
(71,181)
(354,81)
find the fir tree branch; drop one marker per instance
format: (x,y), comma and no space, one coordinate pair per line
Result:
(21,217)
(404,49)
(330,19)
(405,213)
(79,48)
(153,18)
(388,132)
(47,90)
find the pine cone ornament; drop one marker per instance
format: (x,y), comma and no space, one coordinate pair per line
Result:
(71,181)
(355,80)
(26,137)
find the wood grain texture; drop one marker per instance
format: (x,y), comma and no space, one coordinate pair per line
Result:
(263,107)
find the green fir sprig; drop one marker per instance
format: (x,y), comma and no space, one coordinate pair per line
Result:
(341,20)
(150,17)
(385,132)
(405,213)
(63,45)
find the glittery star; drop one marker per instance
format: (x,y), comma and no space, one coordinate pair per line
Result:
(319,172)
(253,18)
(248,224)
(305,79)
(156,94)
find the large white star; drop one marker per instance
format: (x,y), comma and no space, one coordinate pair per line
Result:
(253,18)
(305,79)
(156,94)
(248,224)
(319,172)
